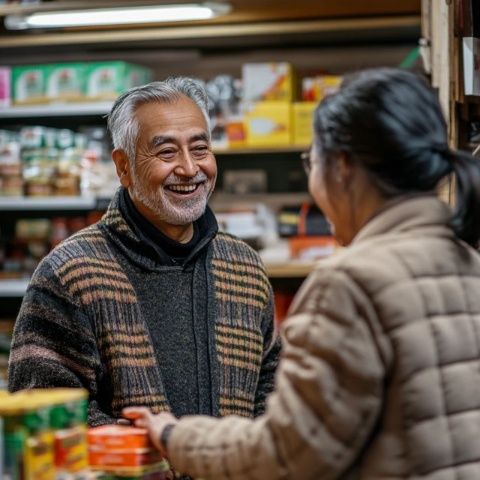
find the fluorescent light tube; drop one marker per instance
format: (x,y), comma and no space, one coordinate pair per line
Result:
(117,16)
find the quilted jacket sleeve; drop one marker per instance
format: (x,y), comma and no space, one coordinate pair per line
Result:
(327,398)
(53,344)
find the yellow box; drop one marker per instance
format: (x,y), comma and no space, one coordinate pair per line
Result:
(268,124)
(267,82)
(302,122)
(316,88)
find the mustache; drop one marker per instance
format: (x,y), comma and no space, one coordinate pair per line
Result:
(174,179)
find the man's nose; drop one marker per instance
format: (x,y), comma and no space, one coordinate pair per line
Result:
(187,166)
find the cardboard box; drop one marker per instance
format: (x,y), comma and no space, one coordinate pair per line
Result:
(107,80)
(267,82)
(65,82)
(5,86)
(29,84)
(316,88)
(302,122)
(268,124)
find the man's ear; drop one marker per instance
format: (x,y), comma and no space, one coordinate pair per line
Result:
(122,166)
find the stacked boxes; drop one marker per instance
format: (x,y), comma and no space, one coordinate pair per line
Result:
(123,451)
(271,119)
(65,82)
(268,90)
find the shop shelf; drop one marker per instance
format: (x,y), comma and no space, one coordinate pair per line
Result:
(56,110)
(13,288)
(16,204)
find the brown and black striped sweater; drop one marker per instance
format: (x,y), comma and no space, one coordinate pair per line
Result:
(80,325)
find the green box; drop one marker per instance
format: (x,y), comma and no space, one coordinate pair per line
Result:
(65,82)
(107,80)
(29,84)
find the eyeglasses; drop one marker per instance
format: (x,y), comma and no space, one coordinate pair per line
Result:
(306,162)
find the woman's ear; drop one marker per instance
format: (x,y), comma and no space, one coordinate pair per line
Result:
(122,167)
(344,170)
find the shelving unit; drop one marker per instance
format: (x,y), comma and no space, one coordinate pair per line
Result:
(311,35)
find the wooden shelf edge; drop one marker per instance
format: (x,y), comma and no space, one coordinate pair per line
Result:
(292,269)
(213,31)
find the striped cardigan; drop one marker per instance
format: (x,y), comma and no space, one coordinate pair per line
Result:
(80,325)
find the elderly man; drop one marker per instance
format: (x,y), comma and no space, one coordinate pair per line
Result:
(152,305)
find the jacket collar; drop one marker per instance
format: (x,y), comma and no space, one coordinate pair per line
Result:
(119,232)
(413,212)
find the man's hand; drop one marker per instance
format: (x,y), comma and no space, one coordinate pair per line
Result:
(155,424)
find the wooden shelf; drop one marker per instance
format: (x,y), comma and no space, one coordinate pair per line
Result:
(256,150)
(292,269)
(192,34)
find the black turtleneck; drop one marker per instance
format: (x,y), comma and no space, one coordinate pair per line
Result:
(169,251)
(176,318)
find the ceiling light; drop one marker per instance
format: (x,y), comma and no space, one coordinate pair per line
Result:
(117,16)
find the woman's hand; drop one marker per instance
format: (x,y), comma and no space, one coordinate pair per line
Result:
(155,424)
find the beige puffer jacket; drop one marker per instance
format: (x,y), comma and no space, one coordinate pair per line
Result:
(380,375)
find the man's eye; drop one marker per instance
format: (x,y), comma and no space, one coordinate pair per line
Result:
(167,153)
(200,151)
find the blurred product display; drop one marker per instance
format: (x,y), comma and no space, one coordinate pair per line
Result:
(40,161)
(44,436)
(33,238)
(260,109)
(74,82)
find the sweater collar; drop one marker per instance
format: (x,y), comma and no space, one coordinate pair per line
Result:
(412,212)
(142,243)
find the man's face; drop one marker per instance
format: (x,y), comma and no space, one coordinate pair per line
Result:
(175,170)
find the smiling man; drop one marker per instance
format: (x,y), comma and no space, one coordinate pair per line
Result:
(152,305)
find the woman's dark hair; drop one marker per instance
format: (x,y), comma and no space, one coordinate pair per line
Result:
(390,122)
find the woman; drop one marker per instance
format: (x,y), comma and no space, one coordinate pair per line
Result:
(380,374)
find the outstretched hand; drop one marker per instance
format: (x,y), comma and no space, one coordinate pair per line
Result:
(155,424)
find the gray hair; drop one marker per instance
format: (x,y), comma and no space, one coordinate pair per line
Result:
(122,122)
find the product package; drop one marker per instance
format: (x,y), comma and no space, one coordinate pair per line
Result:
(268,124)
(107,80)
(302,123)
(5,87)
(29,84)
(65,82)
(267,82)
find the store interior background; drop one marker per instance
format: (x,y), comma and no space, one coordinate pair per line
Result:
(261,192)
